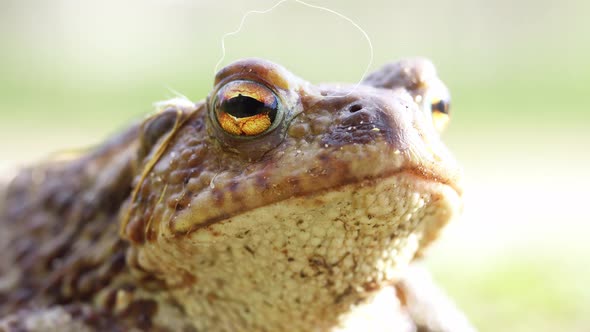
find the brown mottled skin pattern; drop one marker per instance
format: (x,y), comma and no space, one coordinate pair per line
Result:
(82,233)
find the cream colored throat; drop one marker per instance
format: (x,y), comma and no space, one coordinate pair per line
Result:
(302,264)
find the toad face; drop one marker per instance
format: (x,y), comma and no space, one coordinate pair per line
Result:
(280,205)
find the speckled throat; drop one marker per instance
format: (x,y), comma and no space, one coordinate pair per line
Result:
(302,264)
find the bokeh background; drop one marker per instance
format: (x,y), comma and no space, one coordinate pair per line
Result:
(72,72)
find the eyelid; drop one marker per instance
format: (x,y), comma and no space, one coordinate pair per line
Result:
(248,89)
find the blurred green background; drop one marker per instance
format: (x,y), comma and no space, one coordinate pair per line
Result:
(72,72)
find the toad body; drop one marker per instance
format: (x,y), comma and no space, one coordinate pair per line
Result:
(273,205)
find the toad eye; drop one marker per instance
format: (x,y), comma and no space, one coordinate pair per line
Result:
(246,108)
(439,106)
(440,113)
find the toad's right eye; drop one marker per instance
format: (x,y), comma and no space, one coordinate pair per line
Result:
(438,103)
(246,108)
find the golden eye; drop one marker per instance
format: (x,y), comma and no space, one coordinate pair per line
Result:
(246,108)
(441,106)
(440,113)
(437,104)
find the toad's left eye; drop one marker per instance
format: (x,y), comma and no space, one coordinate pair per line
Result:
(246,108)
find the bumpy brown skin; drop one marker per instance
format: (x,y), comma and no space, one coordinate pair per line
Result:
(161,226)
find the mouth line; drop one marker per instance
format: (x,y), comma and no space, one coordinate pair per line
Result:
(420,173)
(424,174)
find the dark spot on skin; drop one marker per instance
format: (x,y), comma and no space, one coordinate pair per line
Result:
(194,172)
(198,124)
(293,181)
(177,176)
(116,263)
(184,201)
(324,157)
(62,201)
(196,160)
(342,295)
(135,230)
(243,235)
(371,286)
(211,297)
(141,312)
(99,320)
(110,299)
(317,262)
(233,186)
(128,287)
(248,249)
(290,259)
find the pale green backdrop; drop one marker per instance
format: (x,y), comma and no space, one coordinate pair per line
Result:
(71,72)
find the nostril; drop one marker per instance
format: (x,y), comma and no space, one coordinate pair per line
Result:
(355,108)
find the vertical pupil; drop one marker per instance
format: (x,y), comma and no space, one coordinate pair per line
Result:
(243,106)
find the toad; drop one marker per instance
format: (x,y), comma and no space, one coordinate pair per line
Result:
(273,205)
